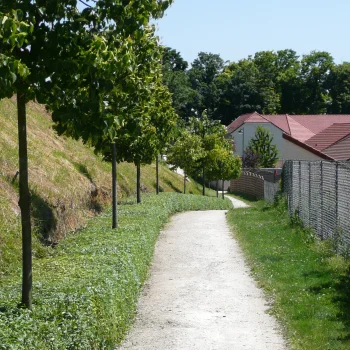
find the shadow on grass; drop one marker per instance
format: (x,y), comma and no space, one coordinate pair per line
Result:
(343,300)
(82,169)
(45,221)
(244,196)
(172,186)
(44,218)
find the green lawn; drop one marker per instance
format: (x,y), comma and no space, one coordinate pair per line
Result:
(308,285)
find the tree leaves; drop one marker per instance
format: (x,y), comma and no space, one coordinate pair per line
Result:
(262,146)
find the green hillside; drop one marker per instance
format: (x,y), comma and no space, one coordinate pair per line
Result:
(68,182)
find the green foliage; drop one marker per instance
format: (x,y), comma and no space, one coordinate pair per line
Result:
(86,293)
(270,82)
(202,76)
(315,69)
(262,145)
(13,34)
(173,61)
(307,284)
(203,148)
(186,152)
(338,83)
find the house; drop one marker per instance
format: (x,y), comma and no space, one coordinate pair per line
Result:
(297,137)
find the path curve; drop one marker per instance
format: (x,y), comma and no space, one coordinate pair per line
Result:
(237,203)
(200,294)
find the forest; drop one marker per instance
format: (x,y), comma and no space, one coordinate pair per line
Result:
(270,82)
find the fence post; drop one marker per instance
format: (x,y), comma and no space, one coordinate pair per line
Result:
(336,193)
(300,206)
(310,194)
(321,199)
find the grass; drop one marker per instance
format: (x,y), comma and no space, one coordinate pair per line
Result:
(308,285)
(85,290)
(68,182)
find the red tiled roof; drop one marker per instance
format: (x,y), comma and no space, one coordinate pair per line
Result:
(237,123)
(329,136)
(307,147)
(300,127)
(317,123)
(340,150)
(298,131)
(280,120)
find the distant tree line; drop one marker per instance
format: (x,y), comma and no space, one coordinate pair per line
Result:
(268,82)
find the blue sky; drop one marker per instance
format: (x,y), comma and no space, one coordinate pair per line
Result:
(238,28)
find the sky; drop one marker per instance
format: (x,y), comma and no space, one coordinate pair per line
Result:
(238,28)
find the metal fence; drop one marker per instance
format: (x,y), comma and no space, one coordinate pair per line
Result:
(318,193)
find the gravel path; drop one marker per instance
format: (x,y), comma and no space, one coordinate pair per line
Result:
(237,203)
(200,294)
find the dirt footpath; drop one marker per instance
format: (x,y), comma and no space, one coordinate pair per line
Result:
(200,294)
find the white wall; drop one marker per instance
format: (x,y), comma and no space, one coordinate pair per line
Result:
(249,133)
(286,149)
(294,152)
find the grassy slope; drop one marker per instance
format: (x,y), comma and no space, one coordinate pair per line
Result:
(309,285)
(68,182)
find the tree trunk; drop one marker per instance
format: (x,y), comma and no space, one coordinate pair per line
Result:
(24,202)
(114,187)
(138,182)
(222,189)
(217,188)
(184,182)
(157,174)
(203,189)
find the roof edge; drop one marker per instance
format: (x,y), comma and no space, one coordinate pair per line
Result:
(307,147)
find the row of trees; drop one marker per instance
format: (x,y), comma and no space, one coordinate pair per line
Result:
(98,70)
(268,82)
(203,148)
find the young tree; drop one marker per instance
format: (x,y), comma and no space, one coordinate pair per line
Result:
(262,145)
(185,153)
(229,166)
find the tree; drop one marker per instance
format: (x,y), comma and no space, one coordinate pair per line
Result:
(202,76)
(315,69)
(212,135)
(42,43)
(266,64)
(289,82)
(173,61)
(185,153)
(262,145)
(222,163)
(338,84)
(239,93)
(175,77)
(229,166)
